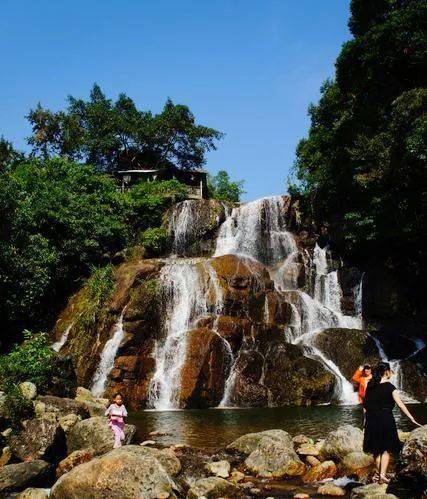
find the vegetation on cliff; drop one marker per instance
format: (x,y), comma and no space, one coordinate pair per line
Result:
(362,166)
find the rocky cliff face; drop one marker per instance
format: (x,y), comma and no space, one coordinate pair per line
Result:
(249,314)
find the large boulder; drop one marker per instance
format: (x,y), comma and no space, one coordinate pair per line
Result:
(413,457)
(94,433)
(414,375)
(274,458)
(347,348)
(41,438)
(320,472)
(214,487)
(249,442)
(130,471)
(33,493)
(357,463)
(16,477)
(341,442)
(204,371)
(371,491)
(63,406)
(72,460)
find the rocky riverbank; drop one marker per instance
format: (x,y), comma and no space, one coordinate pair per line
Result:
(65,451)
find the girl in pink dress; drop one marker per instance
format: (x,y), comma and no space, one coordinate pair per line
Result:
(116,414)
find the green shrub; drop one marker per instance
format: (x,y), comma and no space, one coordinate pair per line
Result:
(30,361)
(155,240)
(17,407)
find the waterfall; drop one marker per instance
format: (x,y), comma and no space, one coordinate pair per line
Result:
(63,339)
(181,224)
(106,361)
(258,230)
(185,286)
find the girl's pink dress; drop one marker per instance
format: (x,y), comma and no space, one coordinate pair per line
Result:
(117,413)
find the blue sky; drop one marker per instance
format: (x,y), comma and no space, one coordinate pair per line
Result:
(247,68)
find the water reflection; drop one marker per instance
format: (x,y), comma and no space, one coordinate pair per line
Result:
(215,428)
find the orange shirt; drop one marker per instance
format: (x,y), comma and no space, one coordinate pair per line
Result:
(362,381)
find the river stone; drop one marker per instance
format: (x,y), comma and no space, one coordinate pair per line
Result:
(356,461)
(414,455)
(308,449)
(130,471)
(32,493)
(373,490)
(301,439)
(213,487)
(41,438)
(320,472)
(28,390)
(330,489)
(94,433)
(74,459)
(249,442)
(274,458)
(16,477)
(342,441)
(67,422)
(219,468)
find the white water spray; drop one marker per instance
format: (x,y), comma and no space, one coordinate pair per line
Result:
(106,361)
(63,339)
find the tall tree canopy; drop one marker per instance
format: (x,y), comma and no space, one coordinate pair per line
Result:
(363,165)
(112,135)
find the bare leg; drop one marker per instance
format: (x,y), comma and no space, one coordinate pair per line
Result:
(385,459)
(377,462)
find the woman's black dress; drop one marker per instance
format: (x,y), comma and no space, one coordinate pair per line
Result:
(380,426)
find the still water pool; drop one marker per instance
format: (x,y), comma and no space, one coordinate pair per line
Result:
(215,428)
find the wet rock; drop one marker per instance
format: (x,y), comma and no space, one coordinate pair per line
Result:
(347,348)
(403,435)
(312,461)
(413,457)
(72,460)
(32,493)
(414,375)
(301,495)
(28,390)
(94,433)
(321,471)
(357,463)
(94,406)
(41,438)
(301,439)
(373,490)
(63,406)
(219,468)
(16,477)
(237,476)
(308,449)
(274,458)
(193,464)
(233,329)
(293,379)
(212,487)
(329,489)
(204,370)
(249,442)
(130,471)
(205,217)
(342,441)
(63,381)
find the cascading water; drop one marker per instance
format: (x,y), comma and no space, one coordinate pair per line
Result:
(106,362)
(186,285)
(258,230)
(63,339)
(181,224)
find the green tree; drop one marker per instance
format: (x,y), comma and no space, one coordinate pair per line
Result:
(362,166)
(116,134)
(222,188)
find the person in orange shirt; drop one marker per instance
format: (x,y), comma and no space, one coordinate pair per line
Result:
(361,378)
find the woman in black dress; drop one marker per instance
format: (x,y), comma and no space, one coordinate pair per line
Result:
(380,436)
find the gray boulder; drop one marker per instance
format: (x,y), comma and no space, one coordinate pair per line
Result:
(94,433)
(64,406)
(16,477)
(341,442)
(249,442)
(130,471)
(214,487)
(413,458)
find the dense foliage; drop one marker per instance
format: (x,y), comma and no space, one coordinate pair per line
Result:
(30,361)
(59,219)
(363,165)
(112,135)
(222,188)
